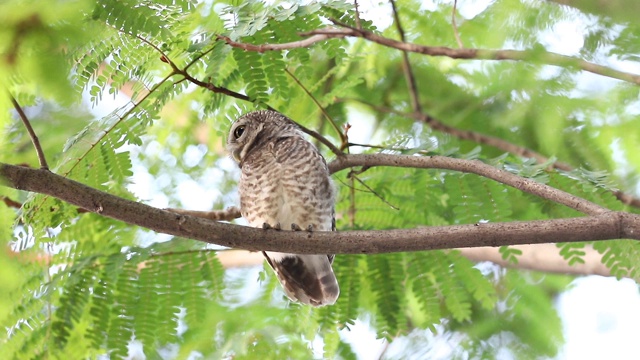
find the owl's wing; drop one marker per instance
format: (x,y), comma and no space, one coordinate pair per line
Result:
(305,278)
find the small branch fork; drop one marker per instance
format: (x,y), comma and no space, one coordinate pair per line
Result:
(175,70)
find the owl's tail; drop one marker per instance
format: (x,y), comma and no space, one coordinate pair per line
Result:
(308,279)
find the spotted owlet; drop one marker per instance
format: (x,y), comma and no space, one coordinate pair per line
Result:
(285,184)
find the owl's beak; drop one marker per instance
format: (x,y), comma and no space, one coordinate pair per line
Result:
(236,155)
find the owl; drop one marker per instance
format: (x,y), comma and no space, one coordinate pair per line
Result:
(285,183)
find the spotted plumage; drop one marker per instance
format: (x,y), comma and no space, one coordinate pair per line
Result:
(285,183)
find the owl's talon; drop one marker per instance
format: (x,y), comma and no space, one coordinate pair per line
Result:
(295,227)
(267,226)
(310,228)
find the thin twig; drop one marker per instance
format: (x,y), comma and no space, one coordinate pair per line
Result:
(401,150)
(216,89)
(352,203)
(358,23)
(183,72)
(32,134)
(221,90)
(385,346)
(373,191)
(275,47)
(322,139)
(164,56)
(406,65)
(10,202)
(323,110)
(455,26)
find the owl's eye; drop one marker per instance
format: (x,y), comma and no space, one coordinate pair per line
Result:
(238,131)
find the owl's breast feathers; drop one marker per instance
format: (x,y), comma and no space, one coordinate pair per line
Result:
(287,182)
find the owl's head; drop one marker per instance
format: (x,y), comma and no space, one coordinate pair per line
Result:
(256,129)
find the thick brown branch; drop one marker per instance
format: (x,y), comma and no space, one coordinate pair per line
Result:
(606,225)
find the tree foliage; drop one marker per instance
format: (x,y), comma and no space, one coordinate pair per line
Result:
(117,88)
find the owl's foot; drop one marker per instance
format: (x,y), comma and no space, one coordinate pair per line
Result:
(266,226)
(296,227)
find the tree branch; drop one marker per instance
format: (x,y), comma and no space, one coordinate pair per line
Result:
(32,134)
(477,137)
(275,47)
(342,137)
(469,166)
(606,225)
(546,57)
(454,25)
(406,65)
